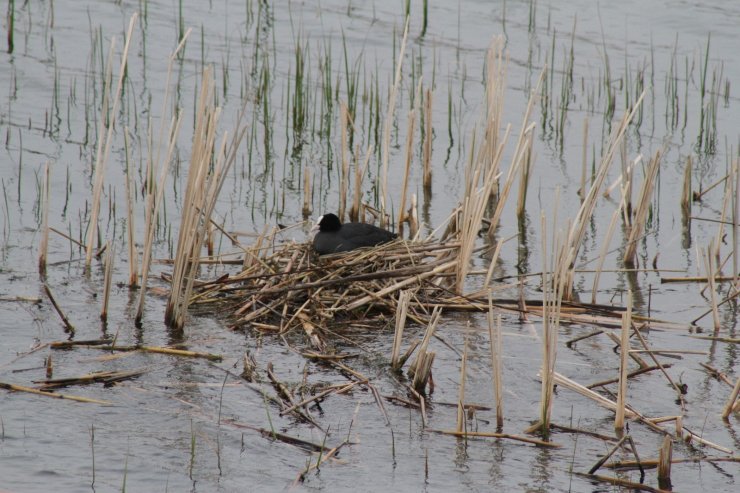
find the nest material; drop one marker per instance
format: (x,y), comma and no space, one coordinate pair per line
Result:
(293,287)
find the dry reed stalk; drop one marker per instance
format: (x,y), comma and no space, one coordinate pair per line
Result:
(643,206)
(205,180)
(388,124)
(44,244)
(427,150)
(553,283)
(605,245)
(709,267)
(67,324)
(31,390)
(412,217)
(526,169)
(344,172)
(506,436)
(421,367)
(155,189)
(665,459)
(731,402)
(623,355)
(105,140)
(584,391)
(355,210)
(306,193)
(133,257)
(584,164)
(409,157)
(631,485)
(686,190)
(403,305)
(583,217)
(461,390)
(496,338)
(110,257)
(735,219)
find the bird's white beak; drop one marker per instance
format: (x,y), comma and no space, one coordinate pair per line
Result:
(315,228)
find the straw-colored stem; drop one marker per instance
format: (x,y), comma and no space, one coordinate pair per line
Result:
(110,257)
(101,157)
(624,352)
(44,244)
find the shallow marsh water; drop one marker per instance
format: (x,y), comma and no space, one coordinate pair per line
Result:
(180,426)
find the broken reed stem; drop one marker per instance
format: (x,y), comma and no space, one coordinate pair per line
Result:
(110,257)
(105,140)
(624,352)
(31,390)
(421,367)
(495,336)
(133,257)
(730,406)
(402,309)
(344,170)
(665,458)
(155,189)
(69,327)
(388,124)
(643,206)
(44,244)
(427,151)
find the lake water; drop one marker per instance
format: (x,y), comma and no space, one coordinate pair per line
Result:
(188,424)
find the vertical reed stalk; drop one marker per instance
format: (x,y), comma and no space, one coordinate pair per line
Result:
(496,338)
(427,151)
(409,157)
(643,206)
(665,458)
(606,242)
(104,144)
(155,191)
(110,258)
(133,257)
(44,244)
(584,165)
(686,190)
(461,391)
(388,123)
(344,172)
(582,220)
(355,213)
(403,305)
(623,358)
(205,179)
(306,193)
(711,284)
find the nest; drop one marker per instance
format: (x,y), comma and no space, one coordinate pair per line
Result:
(290,287)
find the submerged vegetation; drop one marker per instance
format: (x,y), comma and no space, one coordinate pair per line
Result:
(219,177)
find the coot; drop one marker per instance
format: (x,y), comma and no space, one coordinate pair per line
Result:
(333,236)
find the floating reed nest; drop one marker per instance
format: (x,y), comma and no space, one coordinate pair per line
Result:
(289,286)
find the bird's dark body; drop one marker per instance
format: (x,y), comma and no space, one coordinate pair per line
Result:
(334,237)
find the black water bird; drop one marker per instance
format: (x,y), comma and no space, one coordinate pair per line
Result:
(332,236)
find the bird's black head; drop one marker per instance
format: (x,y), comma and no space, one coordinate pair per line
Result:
(329,222)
